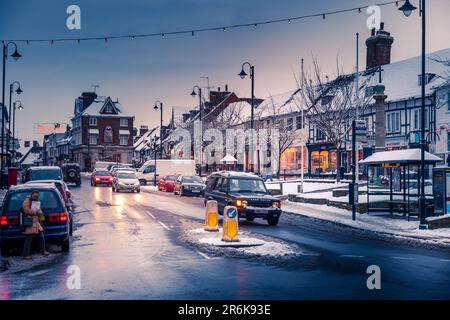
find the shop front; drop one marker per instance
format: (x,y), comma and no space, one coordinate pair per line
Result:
(323,160)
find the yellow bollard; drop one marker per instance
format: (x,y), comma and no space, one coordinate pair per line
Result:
(230,224)
(211,216)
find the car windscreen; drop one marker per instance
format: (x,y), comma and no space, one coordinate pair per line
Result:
(50,201)
(247,186)
(171,178)
(192,179)
(50,174)
(126,175)
(102,173)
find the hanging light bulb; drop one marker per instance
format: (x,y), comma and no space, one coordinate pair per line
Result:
(289,21)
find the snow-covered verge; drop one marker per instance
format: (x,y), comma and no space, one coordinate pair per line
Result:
(292,187)
(388,228)
(250,246)
(149,188)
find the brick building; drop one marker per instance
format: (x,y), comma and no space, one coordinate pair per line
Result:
(102,131)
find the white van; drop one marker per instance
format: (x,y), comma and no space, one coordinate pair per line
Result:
(146,173)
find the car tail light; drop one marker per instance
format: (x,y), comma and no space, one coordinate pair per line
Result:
(9,221)
(58,217)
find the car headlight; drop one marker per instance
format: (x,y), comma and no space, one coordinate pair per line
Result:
(137,184)
(121,183)
(241,203)
(276,204)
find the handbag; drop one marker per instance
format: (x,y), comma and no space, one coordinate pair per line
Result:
(26,220)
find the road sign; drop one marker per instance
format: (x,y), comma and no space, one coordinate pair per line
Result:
(360,128)
(230,225)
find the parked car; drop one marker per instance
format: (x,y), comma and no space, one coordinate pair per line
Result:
(43,173)
(71,173)
(57,220)
(65,194)
(245,191)
(126,180)
(167,183)
(101,177)
(189,185)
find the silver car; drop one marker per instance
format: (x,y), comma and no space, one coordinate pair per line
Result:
(125,181)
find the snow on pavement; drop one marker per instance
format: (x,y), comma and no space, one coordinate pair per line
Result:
(397,228)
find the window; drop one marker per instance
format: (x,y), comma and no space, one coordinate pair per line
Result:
(124,122)
(93,138)
(289,124)
(320,135)
(92,121)
(416,120)
(123,140)
(393,122)
(448,141)
(448,100)
(298,122)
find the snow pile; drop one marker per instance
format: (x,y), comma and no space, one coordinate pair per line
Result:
(149,188)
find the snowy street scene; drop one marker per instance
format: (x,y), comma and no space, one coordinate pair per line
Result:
(244,152)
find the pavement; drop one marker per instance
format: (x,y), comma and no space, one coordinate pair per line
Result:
(134,246)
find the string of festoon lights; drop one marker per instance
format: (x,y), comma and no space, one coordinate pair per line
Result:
(193,32)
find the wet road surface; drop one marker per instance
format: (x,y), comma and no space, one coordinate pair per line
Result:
(127,246)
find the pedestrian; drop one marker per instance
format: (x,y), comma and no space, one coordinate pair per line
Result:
(31,208)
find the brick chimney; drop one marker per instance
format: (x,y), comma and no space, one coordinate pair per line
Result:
(379,46)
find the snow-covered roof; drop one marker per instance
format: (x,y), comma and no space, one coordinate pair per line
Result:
(401,78)
(279,104)
(141,143)
(29,159)
(97,105)
(24,150)
(228,159)
(406,156)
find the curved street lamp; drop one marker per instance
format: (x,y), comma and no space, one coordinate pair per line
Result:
(194,93)
(243,75)
(159,105)
(16,56)
(19,107)
(8,137)
(407,8)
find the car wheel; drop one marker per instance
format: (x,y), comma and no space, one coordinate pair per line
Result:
(272,221)
(65,246)
(143,182)
(138,191)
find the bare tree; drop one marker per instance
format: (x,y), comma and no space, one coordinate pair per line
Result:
(331,105)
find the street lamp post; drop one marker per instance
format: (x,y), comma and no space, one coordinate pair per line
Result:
(20,107)
(16,55)
(193,94)
(155,152)
(243,74)
(160,107)
(18,91)
(407,10)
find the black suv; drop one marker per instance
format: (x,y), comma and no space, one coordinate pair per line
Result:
(71,173)
(247,192)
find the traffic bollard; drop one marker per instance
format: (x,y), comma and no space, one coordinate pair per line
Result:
(211,216)
(230,225)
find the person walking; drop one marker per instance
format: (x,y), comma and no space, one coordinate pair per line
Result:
(31,208)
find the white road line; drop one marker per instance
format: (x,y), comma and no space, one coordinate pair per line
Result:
(350,256)
(164,226)
(203,255)
(151,215)
(402,258)
(445,260)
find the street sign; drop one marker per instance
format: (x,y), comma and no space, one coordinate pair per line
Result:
(390,165)
(360,129)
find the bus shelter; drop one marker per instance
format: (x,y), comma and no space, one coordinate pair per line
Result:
(393,184)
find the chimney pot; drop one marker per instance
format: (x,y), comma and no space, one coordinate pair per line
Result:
(218,89)
(373,32)
(226,88)
(382,26)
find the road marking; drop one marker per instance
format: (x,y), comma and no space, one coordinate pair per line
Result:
(151,215)
(164,226)
(402,258)
(445,260)
(350,256)
(37,273)
(203,255)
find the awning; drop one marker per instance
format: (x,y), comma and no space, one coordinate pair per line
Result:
(124,132)
(93,131)
(407,156)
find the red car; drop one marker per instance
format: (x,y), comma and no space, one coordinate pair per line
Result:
(101,177)
(167,183)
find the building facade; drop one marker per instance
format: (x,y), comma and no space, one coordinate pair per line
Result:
(101,131)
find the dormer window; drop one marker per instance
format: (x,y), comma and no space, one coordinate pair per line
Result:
(93,122)
(428,78)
